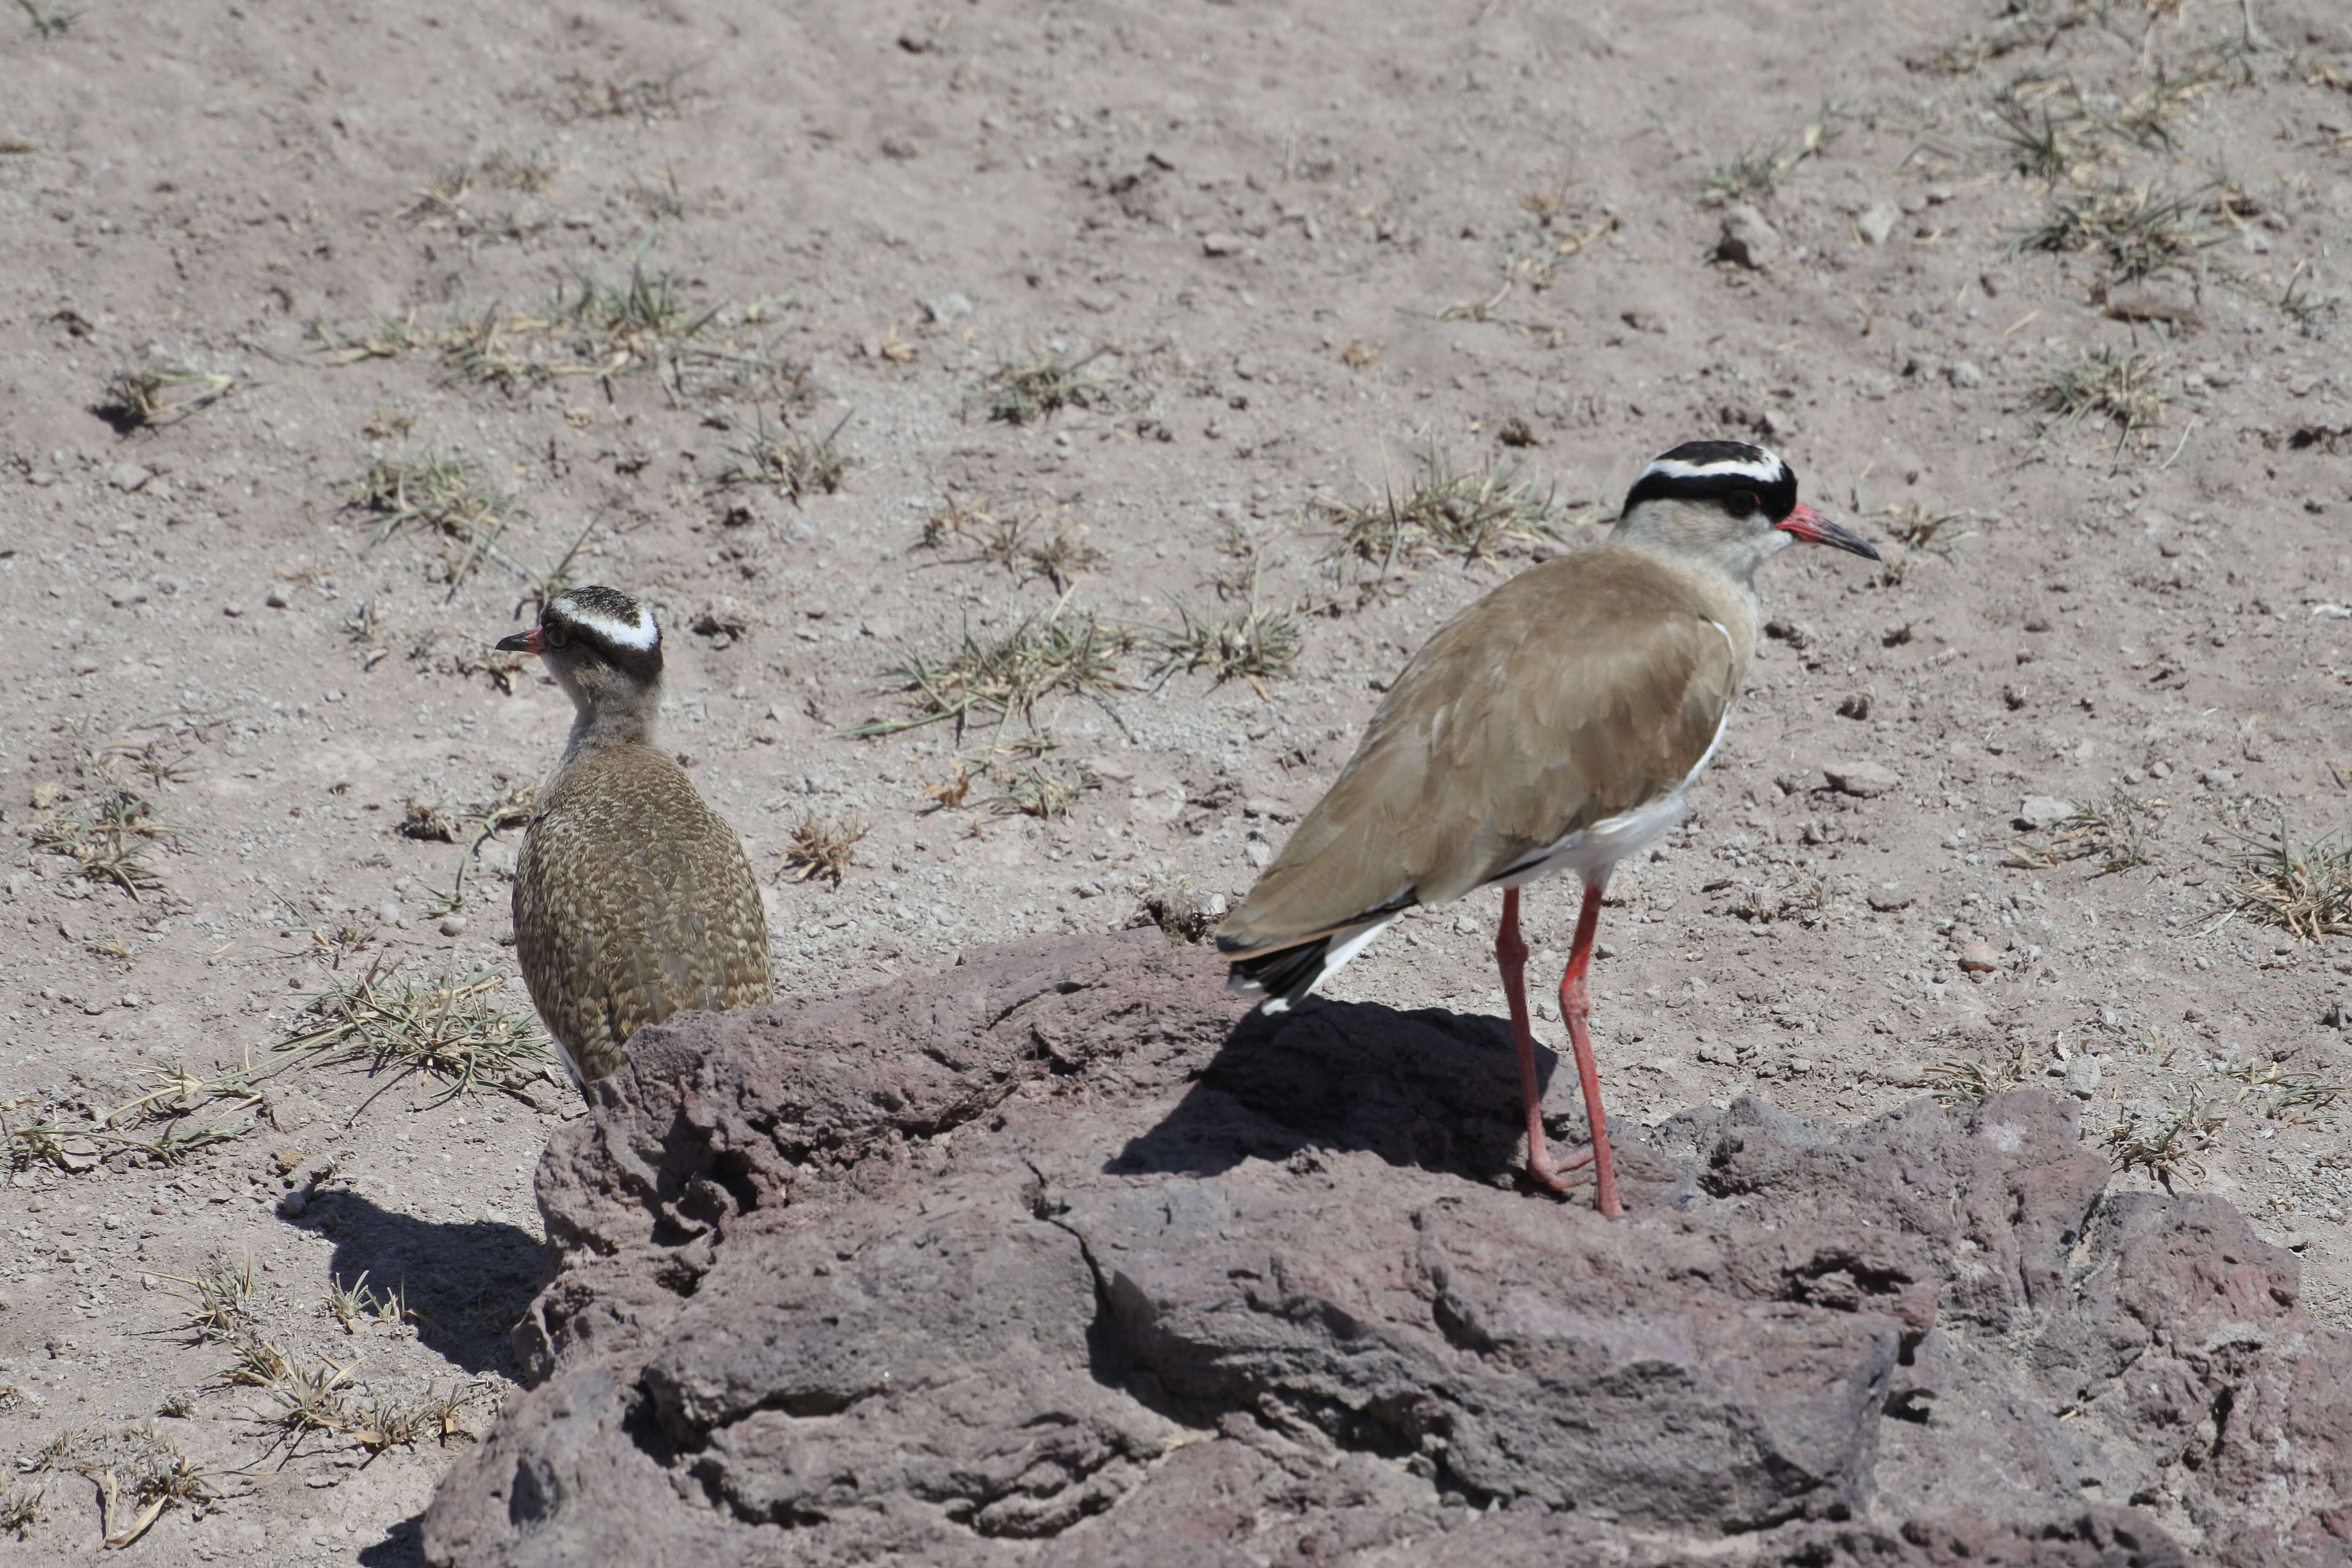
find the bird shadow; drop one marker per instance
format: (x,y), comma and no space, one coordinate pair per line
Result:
(1433,1089)
(464,1284)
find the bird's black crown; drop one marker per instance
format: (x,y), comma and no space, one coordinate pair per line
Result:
(1716,471)
(619,628)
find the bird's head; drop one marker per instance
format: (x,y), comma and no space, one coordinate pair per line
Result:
(1726,502)
(601,645)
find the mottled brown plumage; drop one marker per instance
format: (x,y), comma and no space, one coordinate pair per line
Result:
(633,899)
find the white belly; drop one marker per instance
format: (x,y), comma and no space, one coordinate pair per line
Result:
(1593,851)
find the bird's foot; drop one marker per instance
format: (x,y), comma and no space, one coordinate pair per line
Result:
(1560,1176)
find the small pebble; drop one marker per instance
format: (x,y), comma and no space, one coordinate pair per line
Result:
(1863,779)
(1979,958)
(453,926)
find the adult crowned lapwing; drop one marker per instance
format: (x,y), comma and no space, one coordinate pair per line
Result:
(633,899)
(1557,724)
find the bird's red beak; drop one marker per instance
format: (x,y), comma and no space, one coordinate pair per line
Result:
(529,642)
(1814,529)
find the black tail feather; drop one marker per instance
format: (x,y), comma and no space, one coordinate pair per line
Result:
(1289,973)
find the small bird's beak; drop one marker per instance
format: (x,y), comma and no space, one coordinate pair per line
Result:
(1814,529)
(528,642)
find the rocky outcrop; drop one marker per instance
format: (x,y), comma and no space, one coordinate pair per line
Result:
(1057,1258)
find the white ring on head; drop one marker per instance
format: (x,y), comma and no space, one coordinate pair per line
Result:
(642,635)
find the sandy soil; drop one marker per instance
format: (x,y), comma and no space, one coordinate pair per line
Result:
(1292,251)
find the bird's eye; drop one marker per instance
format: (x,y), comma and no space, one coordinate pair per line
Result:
(554,636)
(1743,502)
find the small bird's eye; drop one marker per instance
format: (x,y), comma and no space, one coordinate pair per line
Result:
(554,636)
(1742,503)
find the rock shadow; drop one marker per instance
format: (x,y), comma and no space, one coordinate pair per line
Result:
(403,1545)
(1433,1089)
(467,1283)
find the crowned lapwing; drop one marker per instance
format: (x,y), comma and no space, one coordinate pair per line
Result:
(1557,724)
(633,899)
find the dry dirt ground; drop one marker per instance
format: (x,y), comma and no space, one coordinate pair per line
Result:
(1152,380)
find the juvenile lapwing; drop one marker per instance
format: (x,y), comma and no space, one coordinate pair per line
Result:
(1556,723)
(633,899)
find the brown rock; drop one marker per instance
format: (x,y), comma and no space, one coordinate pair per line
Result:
(1057,1258)
(1979,958)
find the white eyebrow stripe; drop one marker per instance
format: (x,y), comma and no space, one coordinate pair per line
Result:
(642,635)
(1675,469)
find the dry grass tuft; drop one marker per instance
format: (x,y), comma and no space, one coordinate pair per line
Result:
(20,1509)
(1919,527)
(1065,650)
(825,849)
(592,328)
(2307,890)
(617,97)
(443,200)
(156,395)
(2139,229)
(351,1306)
(158,1475)
(110,842)
(1472,516)
(2290,1097)
(1038,791)
(2164,1140)
(425,820)
(223,1303)
(2115,832)
(1755,173)
(1254,644)
(1970,1082)
(1023,543)
(75,1137)
(1030,390)
(444,1029)
(323,1400)
(799,466)
(445,495)
(2119,388)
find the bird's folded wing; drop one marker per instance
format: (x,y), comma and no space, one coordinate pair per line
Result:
(1509,731)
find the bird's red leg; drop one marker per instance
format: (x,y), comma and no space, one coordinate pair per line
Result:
(1574,1005)
(1511,954)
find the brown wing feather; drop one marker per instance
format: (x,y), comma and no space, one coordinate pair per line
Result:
(1581,689)
(633,900)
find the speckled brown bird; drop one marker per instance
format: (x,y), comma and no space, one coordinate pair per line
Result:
(633,899)
(1557,725)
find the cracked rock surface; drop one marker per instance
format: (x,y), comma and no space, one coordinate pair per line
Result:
(1056,1257)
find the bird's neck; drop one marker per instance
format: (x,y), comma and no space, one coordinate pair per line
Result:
(611,719)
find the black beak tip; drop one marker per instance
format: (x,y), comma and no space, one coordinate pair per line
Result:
(1867,551)
(518,643)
